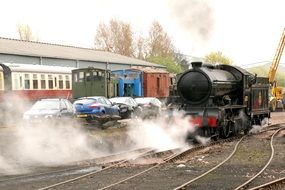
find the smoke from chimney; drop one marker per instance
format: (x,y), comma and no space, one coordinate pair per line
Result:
(195,16)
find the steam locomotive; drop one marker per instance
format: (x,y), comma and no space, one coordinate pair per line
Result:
(222,100)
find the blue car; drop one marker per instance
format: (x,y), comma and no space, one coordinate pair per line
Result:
(94,107)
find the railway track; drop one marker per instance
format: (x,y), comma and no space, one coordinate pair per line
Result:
(243,185)
(144,155)
(178,155)
(171,158)
(75,168)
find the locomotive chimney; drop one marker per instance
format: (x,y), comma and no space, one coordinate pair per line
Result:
(196,65)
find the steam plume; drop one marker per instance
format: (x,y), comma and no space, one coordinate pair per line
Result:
(196,16)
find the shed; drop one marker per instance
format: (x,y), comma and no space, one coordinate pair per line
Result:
(29,52)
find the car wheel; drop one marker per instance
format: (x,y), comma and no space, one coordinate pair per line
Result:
(131,114)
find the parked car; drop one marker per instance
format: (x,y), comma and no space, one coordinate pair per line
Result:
(94,107)
(128,106)
(151,107)
(49,109)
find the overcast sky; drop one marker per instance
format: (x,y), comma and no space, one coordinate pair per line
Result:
(247,31)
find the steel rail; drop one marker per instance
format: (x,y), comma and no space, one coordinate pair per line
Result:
(142,172)
(266,165)
(173,157)
(92,173)
(170,158)
(93,162)
(202,175)
(280,180)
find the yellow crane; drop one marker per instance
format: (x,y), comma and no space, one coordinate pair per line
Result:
(277,91)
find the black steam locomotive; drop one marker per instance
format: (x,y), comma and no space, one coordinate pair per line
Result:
(222,99)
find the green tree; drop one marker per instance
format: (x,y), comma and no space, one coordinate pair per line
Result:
(263,72)
(168,62)
(217,58)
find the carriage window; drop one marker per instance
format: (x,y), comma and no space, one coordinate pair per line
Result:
(81,77)
(67,82)
(21,82)
(35,81)
(1,81)
(60,82)
(75,77)
(27,81)
(43,81)
(55,82)
(16,81)
(50,82)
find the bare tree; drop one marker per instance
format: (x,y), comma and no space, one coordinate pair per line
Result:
(25,33)
(159,42)
(117,37)
(141,47)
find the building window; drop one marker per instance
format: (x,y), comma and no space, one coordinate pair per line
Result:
(67,82)
(35,81)
(60,82)
(27,81)
(43,81)
(50,82)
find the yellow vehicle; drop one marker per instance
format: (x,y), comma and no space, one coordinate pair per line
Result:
(276,100)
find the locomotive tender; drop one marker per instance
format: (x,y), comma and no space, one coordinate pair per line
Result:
(222,99)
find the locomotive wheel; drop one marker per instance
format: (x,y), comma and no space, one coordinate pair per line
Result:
(225,130)
(236,126)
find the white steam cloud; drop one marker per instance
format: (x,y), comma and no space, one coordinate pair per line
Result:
(258,128)
(196,16)
(162,133)
(52,144)
(34,144)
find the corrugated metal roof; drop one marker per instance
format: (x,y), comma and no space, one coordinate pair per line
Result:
(39,49)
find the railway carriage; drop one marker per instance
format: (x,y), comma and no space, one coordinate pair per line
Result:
(33,82)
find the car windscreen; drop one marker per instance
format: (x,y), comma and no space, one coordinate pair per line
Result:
(85,101)
(46,105)
(143,100)
(118,100)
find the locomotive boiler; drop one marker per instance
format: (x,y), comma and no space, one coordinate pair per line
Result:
(222,99)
